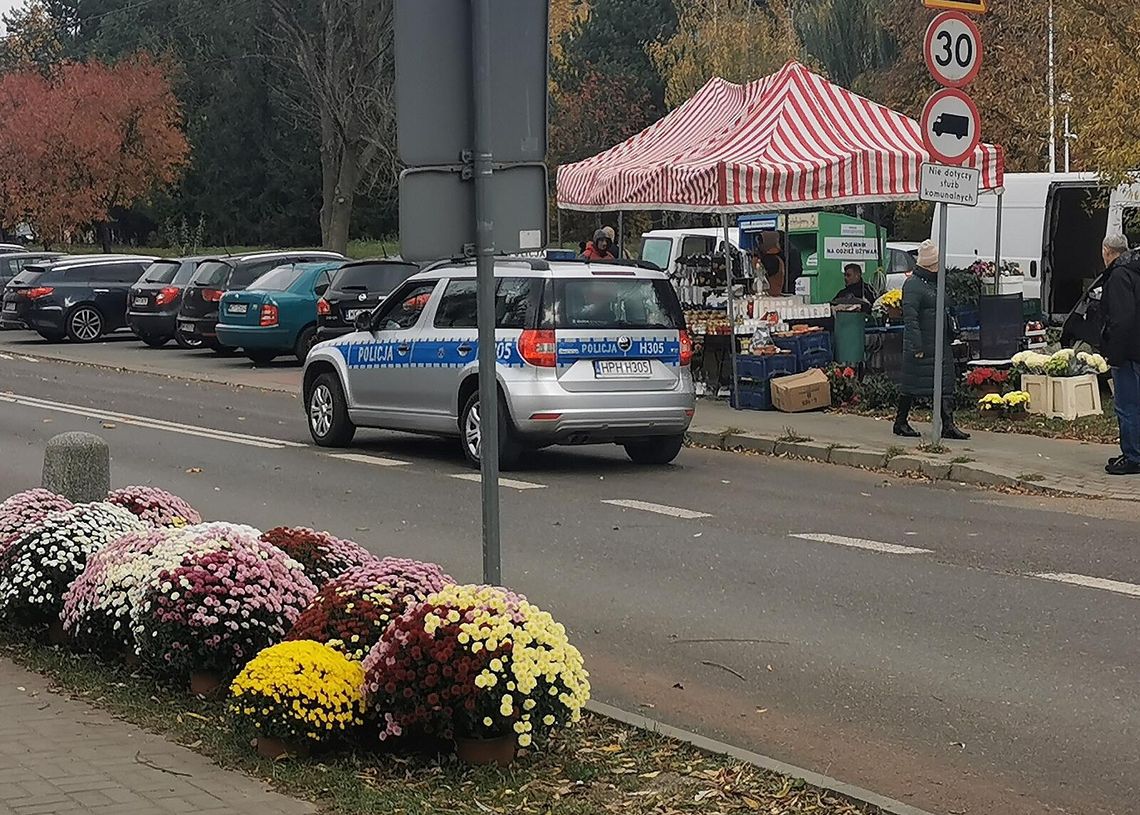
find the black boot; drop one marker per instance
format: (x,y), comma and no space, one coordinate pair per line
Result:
(949,429)
(902,425)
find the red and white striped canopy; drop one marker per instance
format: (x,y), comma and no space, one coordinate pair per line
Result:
(789,141)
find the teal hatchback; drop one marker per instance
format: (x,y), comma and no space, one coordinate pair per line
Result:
(277,314)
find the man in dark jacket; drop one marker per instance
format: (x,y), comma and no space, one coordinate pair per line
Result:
(1120,304)
(920,321)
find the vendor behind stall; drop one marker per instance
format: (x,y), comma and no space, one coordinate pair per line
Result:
(855,287)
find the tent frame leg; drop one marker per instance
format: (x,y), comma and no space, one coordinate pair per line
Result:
(731,311)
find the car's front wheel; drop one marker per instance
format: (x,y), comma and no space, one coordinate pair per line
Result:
(329,424)
(84,324)
(657,450)
(471,428)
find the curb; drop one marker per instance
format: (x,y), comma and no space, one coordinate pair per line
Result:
(911,463)
(888,805)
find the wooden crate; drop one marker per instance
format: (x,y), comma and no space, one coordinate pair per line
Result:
(1071,397)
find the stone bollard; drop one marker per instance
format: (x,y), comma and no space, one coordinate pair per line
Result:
(78,467)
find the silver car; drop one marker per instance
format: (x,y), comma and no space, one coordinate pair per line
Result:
(587,354)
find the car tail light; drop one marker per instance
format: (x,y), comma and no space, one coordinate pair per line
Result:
(268,314)
(38,292)
(212,295)
(539,348)
(323,307)
(167,295)
(686,349)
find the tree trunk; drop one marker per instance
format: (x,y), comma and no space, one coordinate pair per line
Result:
(341,176)
(103,230)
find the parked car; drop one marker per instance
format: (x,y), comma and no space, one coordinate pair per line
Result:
(587,354)
(12,263)
(5,248)
(198,315)
(155,299)
(357,288)
(277,314)
(80,298)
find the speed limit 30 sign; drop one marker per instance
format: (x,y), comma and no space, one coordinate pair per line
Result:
(953,49)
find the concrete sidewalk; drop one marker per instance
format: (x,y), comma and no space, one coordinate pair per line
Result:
(60,756)
(1008,459)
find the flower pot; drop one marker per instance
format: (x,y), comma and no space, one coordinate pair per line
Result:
(987,388)
(1040,396)
(205,683)
(1071,397)
(56,635)
(274,748)
(480,752)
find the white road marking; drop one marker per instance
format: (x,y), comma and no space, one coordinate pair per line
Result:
(860,543)
(660,509)
(503,482)
(147,422)
(29,359)
(1092,582)
(365,459)
(5,356)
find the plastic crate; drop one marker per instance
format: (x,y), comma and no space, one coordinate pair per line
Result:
(816,358)
(761,369)
(800,344)
(755,395)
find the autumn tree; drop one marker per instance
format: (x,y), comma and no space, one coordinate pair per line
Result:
(87,138)
(342,51)
(846,37)
(737,40)
(1098,66)
(30,38)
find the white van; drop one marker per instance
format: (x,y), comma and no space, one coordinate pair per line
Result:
(663,247)
(1053,225)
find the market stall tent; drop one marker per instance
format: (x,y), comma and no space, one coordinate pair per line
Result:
(792,140)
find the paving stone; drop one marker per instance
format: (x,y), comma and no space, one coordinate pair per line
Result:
(804,449)
(106,779)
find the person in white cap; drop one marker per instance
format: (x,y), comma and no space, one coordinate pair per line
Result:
(920,319)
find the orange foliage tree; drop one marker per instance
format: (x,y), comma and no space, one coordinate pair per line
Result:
(87,138)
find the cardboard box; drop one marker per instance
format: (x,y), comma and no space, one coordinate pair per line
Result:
(801,392)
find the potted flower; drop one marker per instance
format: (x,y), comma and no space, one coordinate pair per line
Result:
(1063,384)
(36,570)
(323,556)
(987,380)
(352,612)
(26,508)
(1012,404)
(888,305)
(844,384)
(296,695)
(230,596)
(154,506)
(479,665)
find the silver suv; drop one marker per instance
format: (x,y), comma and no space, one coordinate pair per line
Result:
(587,354)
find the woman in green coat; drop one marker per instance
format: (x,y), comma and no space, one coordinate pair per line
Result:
(920,320)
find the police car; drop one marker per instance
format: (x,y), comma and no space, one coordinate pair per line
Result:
(587,354)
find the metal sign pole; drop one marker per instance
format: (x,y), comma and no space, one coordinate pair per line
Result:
(940,324)
(731,310)
(997,235)
(482,100)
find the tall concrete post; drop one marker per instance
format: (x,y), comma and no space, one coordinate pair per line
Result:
(78,467)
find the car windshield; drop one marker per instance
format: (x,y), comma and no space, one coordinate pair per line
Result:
(611,303)
(279,279)
(161,271)
(213,273)
(656,251)
(373,277)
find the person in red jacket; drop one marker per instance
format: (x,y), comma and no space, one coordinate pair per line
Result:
(600,248)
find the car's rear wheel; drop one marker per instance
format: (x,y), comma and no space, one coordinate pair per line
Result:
(657,450)
(84,324)
(471,429)
(305,343)
(329,424)
(189,343)
(154,340)
(261,357)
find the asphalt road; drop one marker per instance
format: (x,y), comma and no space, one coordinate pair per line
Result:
(915,653)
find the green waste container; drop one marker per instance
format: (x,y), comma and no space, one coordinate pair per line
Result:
(850,337)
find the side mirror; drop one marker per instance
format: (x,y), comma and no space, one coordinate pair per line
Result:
(363,321)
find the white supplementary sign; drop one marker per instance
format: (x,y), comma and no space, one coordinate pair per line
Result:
(809,220)
(951,126)
(942,184)
(530,239)
(852,230)
(953,49)
(860,249)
